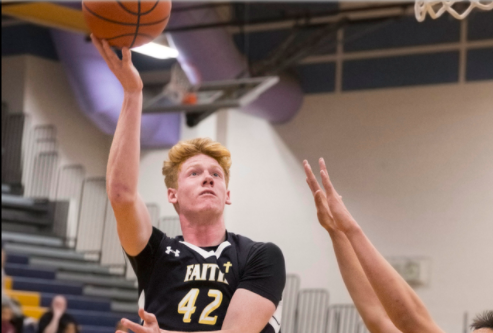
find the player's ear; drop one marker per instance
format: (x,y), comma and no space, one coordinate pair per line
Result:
(172,196)
(228,197)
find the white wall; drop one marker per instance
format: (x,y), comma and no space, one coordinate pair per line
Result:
(415,167)
(39,88)
(270,198)
(49,100)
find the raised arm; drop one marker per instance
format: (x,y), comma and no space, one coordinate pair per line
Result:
(133,220)
(403,306)
(362,294)
(247,313)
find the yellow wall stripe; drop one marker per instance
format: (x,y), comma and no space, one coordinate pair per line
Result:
(25,298)
(48,14)
(33,312)
(8,282)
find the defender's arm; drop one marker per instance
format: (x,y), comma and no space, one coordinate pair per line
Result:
(133,220)
(404,307)
(362,294)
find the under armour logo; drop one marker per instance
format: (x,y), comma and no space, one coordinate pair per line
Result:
(169,250)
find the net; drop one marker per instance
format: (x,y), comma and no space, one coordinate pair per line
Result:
(436,8)
(179,89)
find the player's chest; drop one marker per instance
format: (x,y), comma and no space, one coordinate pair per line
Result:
(184,267)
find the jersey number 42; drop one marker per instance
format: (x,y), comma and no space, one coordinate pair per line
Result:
(187,306)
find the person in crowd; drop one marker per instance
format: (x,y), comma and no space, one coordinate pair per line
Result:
(386,303)
(57,320)
(209,278)
(7,316)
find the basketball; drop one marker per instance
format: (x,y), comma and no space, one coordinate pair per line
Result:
(127,23)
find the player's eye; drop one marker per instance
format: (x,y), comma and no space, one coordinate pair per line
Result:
(193,173)
(216,174)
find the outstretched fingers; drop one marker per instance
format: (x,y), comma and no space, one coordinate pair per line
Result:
(329,188)
(133,326)
(310,178)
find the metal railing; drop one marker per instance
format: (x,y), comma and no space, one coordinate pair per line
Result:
(12,134)
(154,213)
(92,214)
(170,226)
(311,313)
(289,302)
(69,189)
(112,253)
(44,171)
(41,143)
(344,318)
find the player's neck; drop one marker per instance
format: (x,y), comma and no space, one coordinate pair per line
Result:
(203,233)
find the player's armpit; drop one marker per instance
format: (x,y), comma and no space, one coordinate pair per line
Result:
(248,313)
(133,224)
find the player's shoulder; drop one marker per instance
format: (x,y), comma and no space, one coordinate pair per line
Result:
(249,247)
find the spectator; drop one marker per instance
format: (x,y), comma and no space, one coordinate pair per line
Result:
(56,320)
(7,316)
(15,309)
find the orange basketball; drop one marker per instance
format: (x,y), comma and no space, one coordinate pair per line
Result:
(126,23)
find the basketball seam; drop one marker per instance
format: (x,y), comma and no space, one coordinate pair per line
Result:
(133,13)
(137,27)
(131,34)
(123,23)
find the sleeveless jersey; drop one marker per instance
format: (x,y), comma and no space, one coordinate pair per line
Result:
(189,288)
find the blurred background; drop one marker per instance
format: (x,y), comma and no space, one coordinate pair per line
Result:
(401,111)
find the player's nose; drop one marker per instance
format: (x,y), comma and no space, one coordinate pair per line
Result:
(208,180)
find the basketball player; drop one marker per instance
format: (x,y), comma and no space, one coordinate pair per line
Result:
(483,323)
(384,300)
(209,279)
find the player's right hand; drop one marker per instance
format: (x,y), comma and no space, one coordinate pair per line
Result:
(124,69)
(150,324)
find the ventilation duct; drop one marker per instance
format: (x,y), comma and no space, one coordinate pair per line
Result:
(100,95)
(210,54)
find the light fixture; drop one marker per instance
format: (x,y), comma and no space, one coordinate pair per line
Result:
(157,51)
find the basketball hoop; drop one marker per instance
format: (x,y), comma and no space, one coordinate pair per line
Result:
(179,89)
(436,8)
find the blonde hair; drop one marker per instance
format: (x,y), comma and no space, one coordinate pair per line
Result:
(183,150)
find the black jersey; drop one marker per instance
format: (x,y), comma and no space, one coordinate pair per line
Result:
(189,288)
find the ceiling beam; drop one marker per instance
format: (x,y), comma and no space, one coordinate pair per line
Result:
(48,14)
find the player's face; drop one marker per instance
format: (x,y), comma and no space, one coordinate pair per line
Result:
(201,187)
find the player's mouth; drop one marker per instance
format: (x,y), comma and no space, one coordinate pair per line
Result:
(207,192)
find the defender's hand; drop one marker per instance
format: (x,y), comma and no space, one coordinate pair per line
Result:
(323,212)
(344,221)
(150,324)
(124,69)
